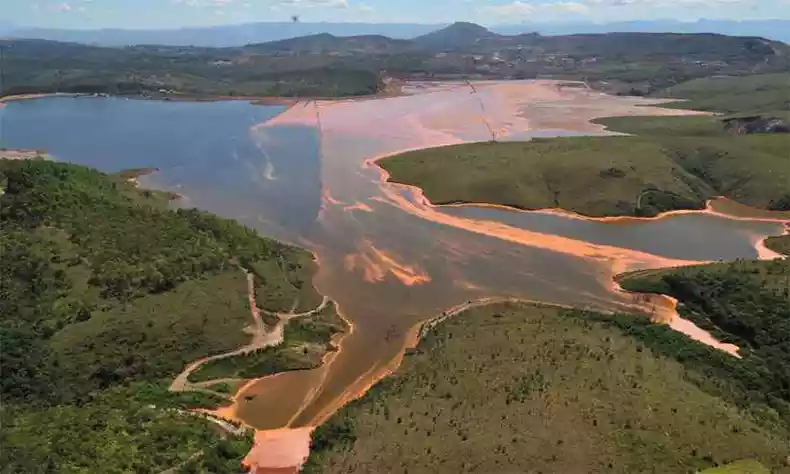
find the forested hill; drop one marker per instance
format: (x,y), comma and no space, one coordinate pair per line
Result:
(746,303)
(46,66)
(106,295)
(324,65)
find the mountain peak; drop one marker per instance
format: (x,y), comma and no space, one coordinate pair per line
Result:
(458,34)
(468,26)
(465,29)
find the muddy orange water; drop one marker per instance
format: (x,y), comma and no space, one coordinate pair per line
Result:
(388,257)
(391,260)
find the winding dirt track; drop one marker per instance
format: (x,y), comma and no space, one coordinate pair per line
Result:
(261,339)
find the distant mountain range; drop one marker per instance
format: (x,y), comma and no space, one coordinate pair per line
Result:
(323,65)
(777,30)
(250,33)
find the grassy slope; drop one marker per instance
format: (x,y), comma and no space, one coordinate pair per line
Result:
(779,244)
(512,388)
(766,93)
(592,176)
(746,302)
(686,159)
(198,318)
(739,467)
(106,296)
(603,176)
(285,285)
(306,343)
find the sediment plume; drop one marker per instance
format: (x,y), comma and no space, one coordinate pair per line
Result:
(376,264)
(446,114)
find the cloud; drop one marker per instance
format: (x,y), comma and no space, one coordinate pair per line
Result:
(669,3)
(313,3)
(560,9)
(60,7)
(519,8)
(204,3)
(64,6)
(572,7)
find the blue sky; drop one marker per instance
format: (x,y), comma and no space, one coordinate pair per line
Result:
(174,13)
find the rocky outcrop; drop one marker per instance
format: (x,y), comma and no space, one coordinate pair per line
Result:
(756,124)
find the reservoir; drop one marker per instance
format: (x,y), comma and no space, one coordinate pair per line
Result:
(391,260)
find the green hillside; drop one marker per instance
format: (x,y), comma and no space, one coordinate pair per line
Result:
(522,388)
(767,93)
(670,163)
(745,302)
(106,296)
(605,176)
(305,345)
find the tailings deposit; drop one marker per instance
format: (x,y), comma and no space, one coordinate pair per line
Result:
(389,258)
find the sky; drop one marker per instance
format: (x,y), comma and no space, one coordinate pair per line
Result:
(179,13)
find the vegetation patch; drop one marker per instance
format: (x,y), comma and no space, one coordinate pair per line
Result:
(671,163)
(285,284)
(745,302)
(779,244)
(106,296)
(739,467)
(36,66)
(744,94)
(306,341)
(523,388)
(674,163)
(115,432)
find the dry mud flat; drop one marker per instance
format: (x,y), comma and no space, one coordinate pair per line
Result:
(392,260)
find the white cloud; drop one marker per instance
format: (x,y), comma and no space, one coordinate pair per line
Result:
(60,7)
(519,8)
(516,8)
(204,3)
(670,3)
(573,7)
(603,10)
(313,3)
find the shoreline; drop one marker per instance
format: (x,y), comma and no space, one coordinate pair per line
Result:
(38,95)
(288,101)
(715,206)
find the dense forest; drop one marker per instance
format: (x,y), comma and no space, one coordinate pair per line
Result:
(746,303)
(106,295)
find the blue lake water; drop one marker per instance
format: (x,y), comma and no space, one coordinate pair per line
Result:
(206,151)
